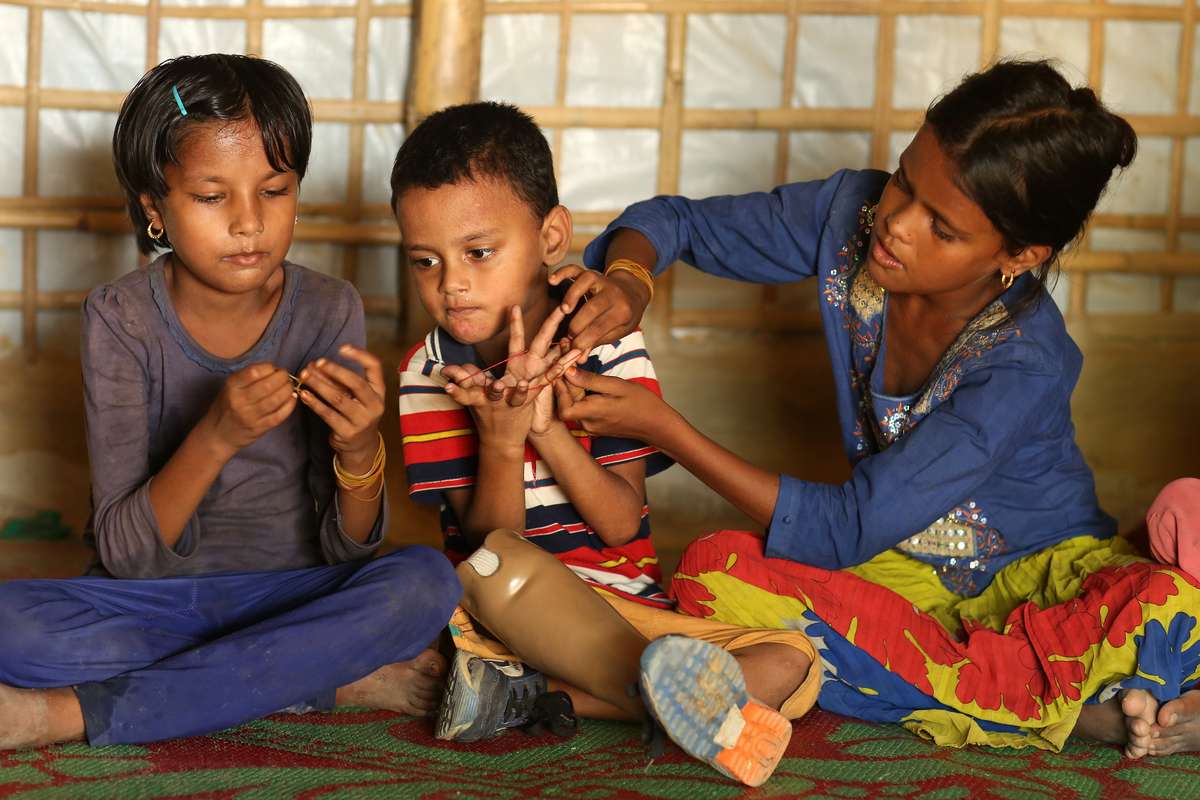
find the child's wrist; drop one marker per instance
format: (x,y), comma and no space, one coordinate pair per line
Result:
(207,435)
(359,459)
(636,283)
(555,427)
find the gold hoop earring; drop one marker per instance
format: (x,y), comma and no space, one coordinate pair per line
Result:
(1006,279)
(150,231)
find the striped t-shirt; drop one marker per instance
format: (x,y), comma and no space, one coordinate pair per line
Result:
(440,453)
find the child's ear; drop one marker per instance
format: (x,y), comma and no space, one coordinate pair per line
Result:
(149,209)
(557,229)
(1026,259)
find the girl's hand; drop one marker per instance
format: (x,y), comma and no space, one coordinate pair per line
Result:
(614,308)
(349,403)
(612,406)
(252,401)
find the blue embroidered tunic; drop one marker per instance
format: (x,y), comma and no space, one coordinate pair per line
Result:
(975,470)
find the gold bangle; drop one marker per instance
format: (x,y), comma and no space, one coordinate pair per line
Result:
(350,481)
(635,269)
(378,491)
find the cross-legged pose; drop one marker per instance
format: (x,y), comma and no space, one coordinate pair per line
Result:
(964,581)
(237,467)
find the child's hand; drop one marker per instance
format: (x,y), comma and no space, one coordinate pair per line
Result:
(252,401)
(349,403)
(543,411)
(535,365)
(503,414)
(614,308)
(612,407)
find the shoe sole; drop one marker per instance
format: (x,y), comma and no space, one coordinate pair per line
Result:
(698,694)
(460,702)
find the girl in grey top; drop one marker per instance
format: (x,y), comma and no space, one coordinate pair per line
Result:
(237,467)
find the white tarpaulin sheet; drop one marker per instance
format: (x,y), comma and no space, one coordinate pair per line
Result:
(732,61)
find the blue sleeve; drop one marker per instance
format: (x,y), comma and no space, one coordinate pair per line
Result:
(903,489)
(763,237)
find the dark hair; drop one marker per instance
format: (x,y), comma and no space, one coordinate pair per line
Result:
(1034,153)
(151,127)
(493,140)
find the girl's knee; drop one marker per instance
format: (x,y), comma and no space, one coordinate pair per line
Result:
(22,633)
(418,575)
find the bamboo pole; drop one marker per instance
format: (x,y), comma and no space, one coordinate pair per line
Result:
(1178,149)
(670,149)
(769,293)
(1077,299)
(447,50)
(29,242)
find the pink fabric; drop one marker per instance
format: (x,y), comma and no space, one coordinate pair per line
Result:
(1174,525)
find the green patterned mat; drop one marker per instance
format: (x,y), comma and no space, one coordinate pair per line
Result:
(369,754)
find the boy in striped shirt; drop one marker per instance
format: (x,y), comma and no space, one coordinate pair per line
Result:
(475,197)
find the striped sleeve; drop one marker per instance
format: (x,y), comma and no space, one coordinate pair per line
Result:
(628,359)
(439,441)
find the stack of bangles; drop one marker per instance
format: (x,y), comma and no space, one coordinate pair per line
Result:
(633,268)
(351,482)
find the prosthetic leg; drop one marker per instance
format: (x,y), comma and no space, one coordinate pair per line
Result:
(558,624)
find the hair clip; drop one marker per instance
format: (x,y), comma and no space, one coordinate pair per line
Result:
(178,100)
(297,384)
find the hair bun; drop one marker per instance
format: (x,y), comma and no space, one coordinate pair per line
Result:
(1082,98)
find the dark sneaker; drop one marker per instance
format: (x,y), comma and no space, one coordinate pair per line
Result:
(485,697)
(698,694)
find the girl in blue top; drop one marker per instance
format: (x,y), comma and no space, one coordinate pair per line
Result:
(964,581)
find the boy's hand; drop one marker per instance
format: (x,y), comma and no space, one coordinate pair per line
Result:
(503,415)
(349,403)
(543,411)
(612,406)
(614,308)
(542,355)
(252,401)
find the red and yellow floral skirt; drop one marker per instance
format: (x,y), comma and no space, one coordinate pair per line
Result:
(1013,666)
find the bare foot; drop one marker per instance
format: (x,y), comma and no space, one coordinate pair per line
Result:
(38,717)
(1178,728)
(1139,707)
(410,687)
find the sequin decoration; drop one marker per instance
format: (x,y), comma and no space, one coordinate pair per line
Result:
(961,543)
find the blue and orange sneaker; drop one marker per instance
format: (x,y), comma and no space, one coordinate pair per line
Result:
(697,693)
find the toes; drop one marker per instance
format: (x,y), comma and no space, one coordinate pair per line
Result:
(1168,715)
(1138,728)
(1167,746)
(1138,703)
(430,662)
(1135,753)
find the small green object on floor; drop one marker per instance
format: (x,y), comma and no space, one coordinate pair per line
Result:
(42,526)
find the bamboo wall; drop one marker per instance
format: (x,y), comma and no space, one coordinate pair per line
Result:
(636,96)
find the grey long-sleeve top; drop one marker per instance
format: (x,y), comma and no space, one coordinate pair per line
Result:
(146,385)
